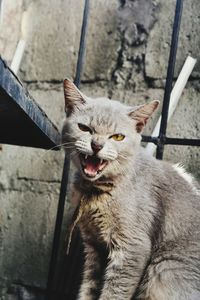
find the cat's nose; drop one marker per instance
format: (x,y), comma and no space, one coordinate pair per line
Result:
(96,147)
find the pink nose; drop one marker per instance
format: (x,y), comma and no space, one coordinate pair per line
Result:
(96,147)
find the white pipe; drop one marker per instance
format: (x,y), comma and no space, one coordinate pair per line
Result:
(1,12)
(19,52)
(17,58)
(174,98)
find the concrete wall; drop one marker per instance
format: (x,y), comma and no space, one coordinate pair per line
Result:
(126,59)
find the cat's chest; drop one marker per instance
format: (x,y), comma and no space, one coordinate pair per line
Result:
(99,220)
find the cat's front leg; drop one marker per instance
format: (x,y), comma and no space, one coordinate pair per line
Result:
(123,274)
(89,289)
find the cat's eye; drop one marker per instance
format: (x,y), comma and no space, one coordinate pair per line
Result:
(117,137)
(84,128)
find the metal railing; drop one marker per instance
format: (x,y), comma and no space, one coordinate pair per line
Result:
(68,280)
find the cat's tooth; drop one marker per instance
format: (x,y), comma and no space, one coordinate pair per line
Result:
(86,156)
(101,161)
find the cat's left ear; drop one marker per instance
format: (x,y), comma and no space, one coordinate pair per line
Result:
(142,113)
(73,97)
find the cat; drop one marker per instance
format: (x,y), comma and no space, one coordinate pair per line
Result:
(139,217)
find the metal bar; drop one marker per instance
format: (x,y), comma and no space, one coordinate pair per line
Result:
(66,167)
(171,141)
(183,142)
(169,79)
(150,139)
(22,121)
(70,276)
(79,65)
(57,231)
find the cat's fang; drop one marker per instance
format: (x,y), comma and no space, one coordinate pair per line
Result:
(102,164)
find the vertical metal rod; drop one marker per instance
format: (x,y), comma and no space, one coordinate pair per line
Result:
(66,167)
(57,230)
(79,66)
(169,79)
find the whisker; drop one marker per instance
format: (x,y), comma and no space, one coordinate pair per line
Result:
(68,147)
(123,156)
(67,143)
(50,149)
(67,133)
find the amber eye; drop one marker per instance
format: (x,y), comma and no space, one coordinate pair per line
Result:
(85,128)
(118,137)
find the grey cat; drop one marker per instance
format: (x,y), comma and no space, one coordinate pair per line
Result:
(139,217)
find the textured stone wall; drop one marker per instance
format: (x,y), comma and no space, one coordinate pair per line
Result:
(126,59)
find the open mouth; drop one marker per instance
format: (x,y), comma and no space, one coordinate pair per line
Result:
(92,165)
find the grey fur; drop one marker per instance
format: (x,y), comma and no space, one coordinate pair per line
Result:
(140,217)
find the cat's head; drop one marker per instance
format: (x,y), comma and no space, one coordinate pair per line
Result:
(102,135)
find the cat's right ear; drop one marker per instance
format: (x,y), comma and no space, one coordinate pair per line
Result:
(72,95)
(142,113)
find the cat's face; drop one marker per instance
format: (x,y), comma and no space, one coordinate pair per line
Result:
(101,135)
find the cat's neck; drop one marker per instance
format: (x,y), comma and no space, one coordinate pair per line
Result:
(102,185)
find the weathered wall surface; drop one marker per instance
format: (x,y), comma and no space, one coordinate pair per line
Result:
(126,59)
